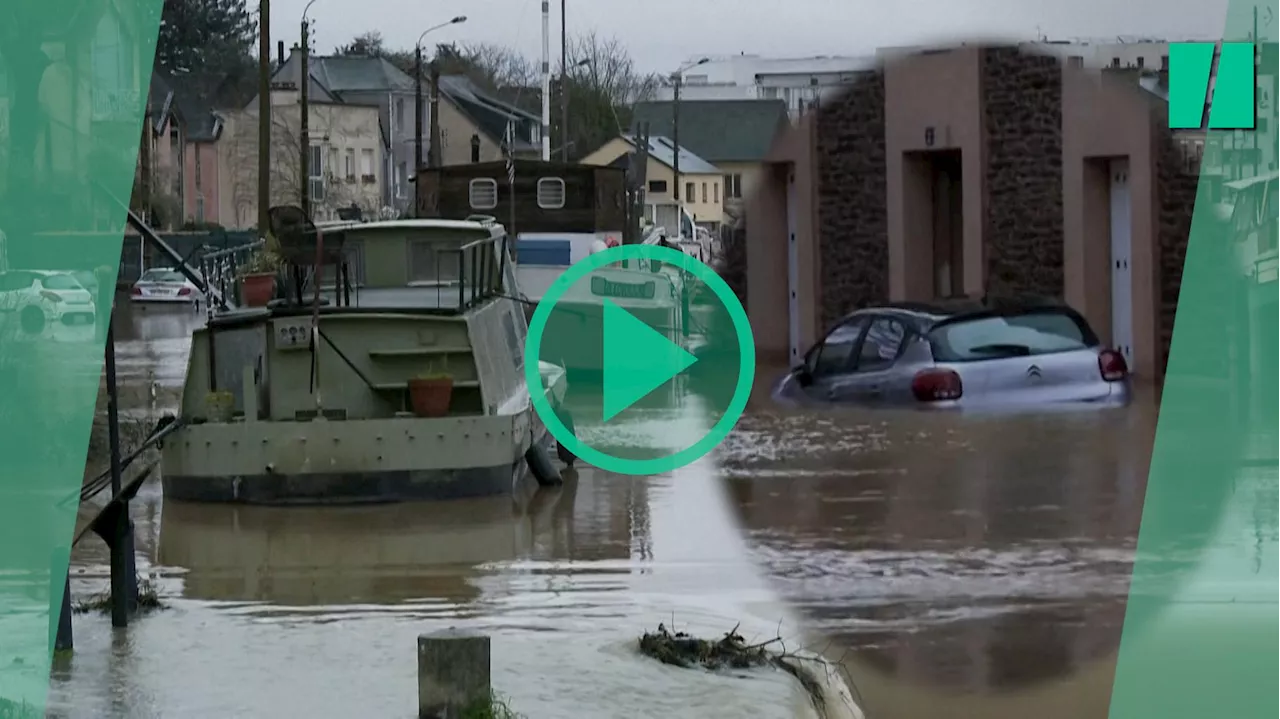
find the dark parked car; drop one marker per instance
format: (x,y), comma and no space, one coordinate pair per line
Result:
(993,354)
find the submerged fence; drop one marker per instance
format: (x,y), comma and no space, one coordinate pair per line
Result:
(135,256)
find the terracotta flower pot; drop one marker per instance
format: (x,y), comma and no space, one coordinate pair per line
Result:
(431,397)
(257,290)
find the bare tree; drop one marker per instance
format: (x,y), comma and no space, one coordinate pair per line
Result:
(603,85)
(604,65)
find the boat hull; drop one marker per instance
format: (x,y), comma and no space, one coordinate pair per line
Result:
(398,459)
(371,485)
(347,488)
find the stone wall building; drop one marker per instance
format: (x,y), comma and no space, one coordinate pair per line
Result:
(974,171)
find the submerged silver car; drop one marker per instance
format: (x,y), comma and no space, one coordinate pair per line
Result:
(989,355)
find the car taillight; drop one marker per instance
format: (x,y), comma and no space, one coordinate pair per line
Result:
(1112,366)
(936,385)
(50,296)
(185,291)
(136,291)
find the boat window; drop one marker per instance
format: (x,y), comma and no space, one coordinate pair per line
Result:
(551,193)
(483,193)
(433,261)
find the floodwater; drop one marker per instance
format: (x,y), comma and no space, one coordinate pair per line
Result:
(957,567)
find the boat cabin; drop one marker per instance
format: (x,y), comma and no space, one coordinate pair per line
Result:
(549,196)
(398,299)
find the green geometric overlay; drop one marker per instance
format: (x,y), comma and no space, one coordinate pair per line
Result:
(1200,632)
(73,82)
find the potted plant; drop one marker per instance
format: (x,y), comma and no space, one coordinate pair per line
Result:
(258,278)
(430,394)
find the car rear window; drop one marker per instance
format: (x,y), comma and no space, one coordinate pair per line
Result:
(1010,335)
(60,282)
(162,276)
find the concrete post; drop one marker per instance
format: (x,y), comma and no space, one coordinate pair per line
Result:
(453,673)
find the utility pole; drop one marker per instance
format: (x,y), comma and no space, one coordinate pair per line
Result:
(564,86)
(675,135)
(264,117)
(434,157)
(304,143)
(417,110)
(546,80)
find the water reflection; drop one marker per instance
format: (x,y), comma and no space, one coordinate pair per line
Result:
(360,555)
(978,558)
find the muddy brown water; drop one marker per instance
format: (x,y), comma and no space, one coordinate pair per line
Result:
(955,566)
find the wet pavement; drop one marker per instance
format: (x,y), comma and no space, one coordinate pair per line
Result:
(958,567)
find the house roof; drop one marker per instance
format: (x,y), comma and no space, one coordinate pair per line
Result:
(341,74)
(663,150)
(718,130)
(489,114)
(203,124)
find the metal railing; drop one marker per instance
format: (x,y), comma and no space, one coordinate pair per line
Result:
(219,270)
(481,266)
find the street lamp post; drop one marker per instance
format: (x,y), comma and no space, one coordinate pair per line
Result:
(676,78)
(564,86)
(417,92)
(304,140)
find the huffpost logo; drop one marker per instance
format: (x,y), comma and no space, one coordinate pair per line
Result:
(1232,105)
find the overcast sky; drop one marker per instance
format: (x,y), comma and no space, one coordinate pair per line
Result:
(661,34)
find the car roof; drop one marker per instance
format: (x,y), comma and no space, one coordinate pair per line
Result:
(925,314)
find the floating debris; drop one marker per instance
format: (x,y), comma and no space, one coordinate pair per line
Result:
(148,599)
(731,651)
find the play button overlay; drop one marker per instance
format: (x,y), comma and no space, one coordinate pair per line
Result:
(659,356)
(637,360)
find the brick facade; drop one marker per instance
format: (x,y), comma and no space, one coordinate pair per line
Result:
(1022,119)
(853,222)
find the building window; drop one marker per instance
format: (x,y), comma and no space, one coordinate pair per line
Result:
(367,171)
(1164,63)
(400,119)
(482,193)
(1115,62)
(1075,61)
(402,172)
(350,166)
(688,191)
(733,187)
(475,148)
(715,192)
(704,193)
(657,186)
(199,208)
(315,174)
(551,193)
(1142,61)
(333,160)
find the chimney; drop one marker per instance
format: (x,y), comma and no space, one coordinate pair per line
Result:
(280,52)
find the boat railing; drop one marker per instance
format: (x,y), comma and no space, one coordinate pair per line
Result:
(481,267)
(219,268)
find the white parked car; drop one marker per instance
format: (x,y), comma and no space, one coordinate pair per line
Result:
(41,298)
(163,284)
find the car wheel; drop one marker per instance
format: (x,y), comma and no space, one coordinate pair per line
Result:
(32,320)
